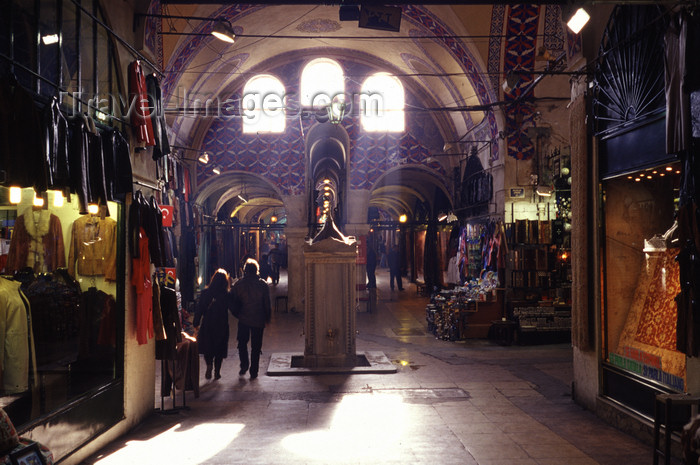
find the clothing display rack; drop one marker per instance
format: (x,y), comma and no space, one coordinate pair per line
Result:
(173,391)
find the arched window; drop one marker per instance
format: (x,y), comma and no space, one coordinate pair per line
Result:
(322,82)
(263,105)
(382,104)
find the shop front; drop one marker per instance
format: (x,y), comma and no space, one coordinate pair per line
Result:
(65,183)
(640,191)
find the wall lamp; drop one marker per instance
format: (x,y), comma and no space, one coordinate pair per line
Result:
(221,29)
(575,16)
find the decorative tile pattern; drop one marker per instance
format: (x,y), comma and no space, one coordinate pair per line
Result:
(281,157)
(495,43)
(318,25)
(520,50)
(553,32)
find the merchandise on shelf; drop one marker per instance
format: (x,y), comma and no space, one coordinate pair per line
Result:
(446,314)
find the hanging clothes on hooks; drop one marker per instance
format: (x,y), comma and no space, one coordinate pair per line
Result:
(141,115)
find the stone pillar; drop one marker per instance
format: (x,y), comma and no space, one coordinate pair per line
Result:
(295,267)
(329,265)
(295,231)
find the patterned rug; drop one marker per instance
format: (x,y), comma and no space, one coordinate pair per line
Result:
(651,322)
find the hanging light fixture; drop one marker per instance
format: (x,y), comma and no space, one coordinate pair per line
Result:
(203,158)
(223,31)
(222,28)
(336,109)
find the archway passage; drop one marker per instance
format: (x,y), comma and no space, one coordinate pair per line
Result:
(404,209)
(247,220)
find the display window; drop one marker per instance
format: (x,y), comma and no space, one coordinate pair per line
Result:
(61,323)
(641,278)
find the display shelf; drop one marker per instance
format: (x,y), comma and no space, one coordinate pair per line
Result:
(451,317)
(539,286)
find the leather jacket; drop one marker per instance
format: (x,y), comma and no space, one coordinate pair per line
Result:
(56,146)
(146,215)
(79,160)
(117,164)
(155,100)
(251,301)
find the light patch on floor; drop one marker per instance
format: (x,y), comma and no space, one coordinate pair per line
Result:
(363,426)
(192,446)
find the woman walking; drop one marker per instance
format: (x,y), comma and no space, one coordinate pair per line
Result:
(212,312)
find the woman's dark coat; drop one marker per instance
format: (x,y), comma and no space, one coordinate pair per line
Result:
(212,312)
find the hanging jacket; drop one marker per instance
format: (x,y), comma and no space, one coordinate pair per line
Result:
(36,245)
(117,163)
(55,142)
(160,130)
(79,160)
(14,338)
(93,247)
(138,99)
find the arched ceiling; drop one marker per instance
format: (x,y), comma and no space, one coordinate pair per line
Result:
(441,71)
(445,74)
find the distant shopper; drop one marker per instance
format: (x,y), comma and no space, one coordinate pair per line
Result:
(265,268)
(275,258)
(395,268)
(212,312)
(371,266)
(250,297)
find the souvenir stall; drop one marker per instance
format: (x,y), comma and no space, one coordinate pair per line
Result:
(470,307)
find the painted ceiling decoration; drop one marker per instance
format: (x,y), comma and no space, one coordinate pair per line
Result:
(197,66)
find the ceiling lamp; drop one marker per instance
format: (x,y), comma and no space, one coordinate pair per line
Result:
(578,20)
(544,191)
(216,170)
(403,218)
(203,158)
(223,30)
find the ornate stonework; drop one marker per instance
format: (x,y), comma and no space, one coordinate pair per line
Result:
(318,25)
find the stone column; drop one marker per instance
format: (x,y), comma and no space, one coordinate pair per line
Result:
(329,266)
(295,207)
(295,267)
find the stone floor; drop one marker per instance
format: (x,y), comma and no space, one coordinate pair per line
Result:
(459,403)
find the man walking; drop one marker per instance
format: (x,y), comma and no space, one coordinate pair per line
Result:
(251,299)
(395,268)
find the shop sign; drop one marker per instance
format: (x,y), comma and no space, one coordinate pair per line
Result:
(167,212)
(517,193)
(648,372)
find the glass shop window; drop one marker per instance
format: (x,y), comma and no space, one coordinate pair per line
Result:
(641,277)
(61,320)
